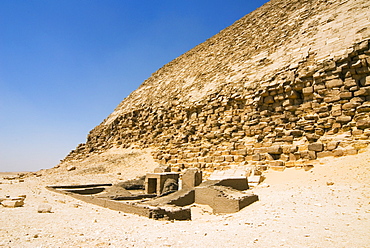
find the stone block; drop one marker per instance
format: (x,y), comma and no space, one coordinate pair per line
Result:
(324,154)
(364,91)
(268,100)
(349,82)
(307,90)
(311,155)
(192,177)
(222,199)
(332,145)
(276,163)
(288,139)
(330,99)
(296,133)
(277,168)
(350,105)
(253,181)
(219,159)
(334,83)
(290,164)
(284,157)
(365,107)
(44,208)
(241,152)
(13,203)
(357,132)
(293,156)
(338,152)
(256,157)
(365,81)
(238,158)
(344,119)
(349,151)
(276,149)
(229,158)
(346,95)
(363,123)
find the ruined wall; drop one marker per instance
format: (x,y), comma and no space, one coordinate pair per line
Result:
(299,98)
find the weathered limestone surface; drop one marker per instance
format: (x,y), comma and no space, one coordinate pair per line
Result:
(288,83)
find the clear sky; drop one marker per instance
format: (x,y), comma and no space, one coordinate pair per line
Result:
(66,64)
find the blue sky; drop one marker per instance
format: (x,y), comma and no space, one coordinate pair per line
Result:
(66,64)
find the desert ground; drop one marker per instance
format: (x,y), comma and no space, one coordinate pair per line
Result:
(327,206)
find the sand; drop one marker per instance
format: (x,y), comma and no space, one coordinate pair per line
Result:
(327,206)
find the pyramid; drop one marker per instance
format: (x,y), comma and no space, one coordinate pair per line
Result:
(284,85)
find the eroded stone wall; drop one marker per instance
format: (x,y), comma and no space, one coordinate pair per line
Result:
(305,111)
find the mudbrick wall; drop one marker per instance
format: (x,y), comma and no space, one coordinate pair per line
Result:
(264,108)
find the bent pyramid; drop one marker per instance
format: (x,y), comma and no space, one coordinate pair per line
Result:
(286,84)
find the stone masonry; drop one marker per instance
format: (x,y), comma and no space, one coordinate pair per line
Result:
(286,84)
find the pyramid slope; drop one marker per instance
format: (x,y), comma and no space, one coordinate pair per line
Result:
(283,85)
(253,49)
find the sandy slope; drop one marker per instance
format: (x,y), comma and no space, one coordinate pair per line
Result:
(297,209)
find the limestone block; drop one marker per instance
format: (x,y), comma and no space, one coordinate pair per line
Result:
(336,110)
(319,131)
(44,208)
(290,164)
(276,149)
(363,123)
(312,137)
(333,98)
(238,158)
(268,100)
(362,46)
(191,178)
(364,91)
(284,157)
(276,163)
(222,199)
(350,105)
(229,158)
(241,152)
(349,151)
(338,152)
(256,157)
(71,168)
(317,147)
(307,90)
(344,119)
(219,159)
(13,203)
(254,180)
(277,168)
(324,154)
(349,82)
(324,115)
(365,107)
(296,133)
(334,83)
(318,87)
(294,156)
(354,88)
(332,145)
(357,132)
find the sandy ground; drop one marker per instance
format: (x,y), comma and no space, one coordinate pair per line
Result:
(327,206)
